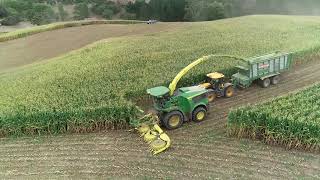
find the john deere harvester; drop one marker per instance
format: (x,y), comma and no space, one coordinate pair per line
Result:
(188,103)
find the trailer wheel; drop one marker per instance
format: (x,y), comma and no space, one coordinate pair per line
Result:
(173,120)
(275,80)
(265,83)
(199,114)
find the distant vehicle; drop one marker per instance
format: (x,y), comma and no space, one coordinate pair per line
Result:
(152,21)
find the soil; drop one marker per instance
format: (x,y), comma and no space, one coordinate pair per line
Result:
(42,46)
(199,150)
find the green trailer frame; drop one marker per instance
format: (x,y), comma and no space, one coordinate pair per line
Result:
(261,68)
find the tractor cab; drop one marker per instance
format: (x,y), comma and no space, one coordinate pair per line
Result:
(216,80)
(221,88)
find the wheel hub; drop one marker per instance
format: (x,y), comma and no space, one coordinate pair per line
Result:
(174,121)
(200,115)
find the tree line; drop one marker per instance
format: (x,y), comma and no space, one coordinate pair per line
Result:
(46,11)
(179,10)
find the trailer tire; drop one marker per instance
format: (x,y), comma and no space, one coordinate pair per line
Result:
(199,114)
(275,80)
(265,83)
(173,120)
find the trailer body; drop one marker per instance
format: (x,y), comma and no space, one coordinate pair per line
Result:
(261,68)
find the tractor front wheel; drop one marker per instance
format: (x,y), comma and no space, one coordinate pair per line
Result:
(229,92)
(212,96)
(199,114)
(173,120)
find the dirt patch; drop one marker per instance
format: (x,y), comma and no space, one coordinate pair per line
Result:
(50,44)
(199,150)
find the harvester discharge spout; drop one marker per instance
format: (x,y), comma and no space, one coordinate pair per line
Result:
(184,71)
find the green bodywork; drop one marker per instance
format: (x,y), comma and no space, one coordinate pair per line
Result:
(184,100)
(261,67)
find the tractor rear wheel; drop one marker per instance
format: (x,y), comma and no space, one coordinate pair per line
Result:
(265,83)
(173,120)
(199,114)
(275,80)
(229,92)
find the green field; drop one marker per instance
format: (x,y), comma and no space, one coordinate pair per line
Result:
(293,120)
(95,87)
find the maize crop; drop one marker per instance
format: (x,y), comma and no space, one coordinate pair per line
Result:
(292,121)
(95,87)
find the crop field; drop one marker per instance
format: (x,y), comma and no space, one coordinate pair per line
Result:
(94,88)
(45,45)
(293,120)
(199,150)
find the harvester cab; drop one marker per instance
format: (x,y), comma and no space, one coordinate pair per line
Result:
(221,88)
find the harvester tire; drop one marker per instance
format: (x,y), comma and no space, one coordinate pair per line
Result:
(199,114)
(265,83)
(173,120)
(229,92)
(275,80)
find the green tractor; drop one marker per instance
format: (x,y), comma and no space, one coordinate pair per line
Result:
(188,103)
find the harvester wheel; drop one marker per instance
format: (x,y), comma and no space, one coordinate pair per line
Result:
(275,80)
(265,83)
(199,114)
(229,92)
(173,120)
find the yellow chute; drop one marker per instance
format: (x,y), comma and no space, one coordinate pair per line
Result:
(184,71)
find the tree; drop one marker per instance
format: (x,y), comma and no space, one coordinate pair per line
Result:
(10,20)
(3,12)
(213,11)
(62,13)
(41,14)
(107,13)
(81,11)
(205,10)
(12,17)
